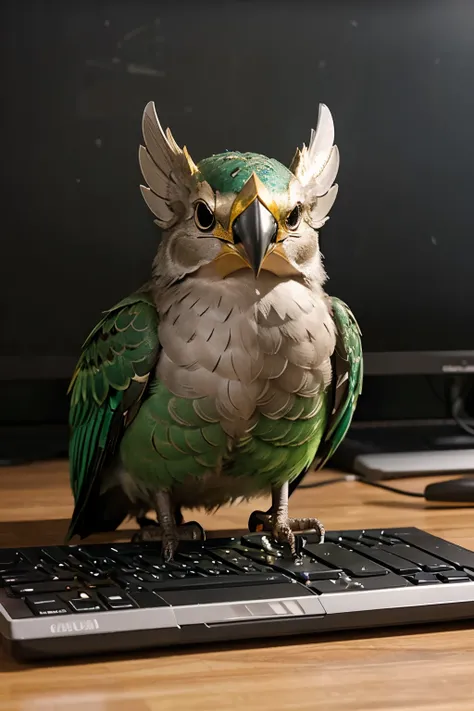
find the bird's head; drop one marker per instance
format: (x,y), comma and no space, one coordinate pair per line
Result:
(236,211)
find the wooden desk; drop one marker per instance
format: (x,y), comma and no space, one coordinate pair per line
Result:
(415,669)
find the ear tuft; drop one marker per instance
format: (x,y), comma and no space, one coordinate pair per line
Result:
(166,168)
(316,167)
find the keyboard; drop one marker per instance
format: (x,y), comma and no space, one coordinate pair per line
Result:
(58,601)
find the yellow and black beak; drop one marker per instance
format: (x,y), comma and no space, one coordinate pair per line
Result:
(252,235)
(256,229)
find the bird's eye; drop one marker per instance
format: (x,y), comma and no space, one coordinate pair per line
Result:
(203,216)
(293,218)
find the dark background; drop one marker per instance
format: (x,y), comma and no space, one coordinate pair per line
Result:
(397,75)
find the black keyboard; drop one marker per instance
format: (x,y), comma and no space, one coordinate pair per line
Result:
(70,600)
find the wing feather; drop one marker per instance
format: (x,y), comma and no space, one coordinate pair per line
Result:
(347,380)
(346,385)
(116,361)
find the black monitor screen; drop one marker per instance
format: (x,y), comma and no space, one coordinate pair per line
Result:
(397,75)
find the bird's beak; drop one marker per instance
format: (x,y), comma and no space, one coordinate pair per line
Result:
(256,229)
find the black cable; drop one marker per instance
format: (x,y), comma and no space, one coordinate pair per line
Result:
(441,397)
(458,412)
(393,489)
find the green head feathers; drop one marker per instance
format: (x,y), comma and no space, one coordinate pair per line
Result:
(228,172)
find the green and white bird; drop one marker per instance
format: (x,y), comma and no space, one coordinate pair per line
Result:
(231,372)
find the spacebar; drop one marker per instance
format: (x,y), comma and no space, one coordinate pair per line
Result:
(221,581)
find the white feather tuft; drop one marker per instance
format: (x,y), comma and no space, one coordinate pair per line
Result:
(316,167)
(165,168)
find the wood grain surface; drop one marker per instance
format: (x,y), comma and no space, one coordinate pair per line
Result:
(406,669)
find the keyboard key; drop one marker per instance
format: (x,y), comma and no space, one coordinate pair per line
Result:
(79,605)
(423,579)
(264,542)
(58,554)
(193,557)
(380,536)
(92,581)
(213,567)
(454,576)
(146,598)
(144,577)
(386,558)
(449,552)
(305,568)
(263,558)
(59,573)
(353,563)
(352,536)
(424,560)
(31,576)
(115,598)
(154,560)
(34,556)
(108,558)
(218,581)
(50,586)
(239,561)
(82,601)
(349,584)
(9,559)
(45,605)
(128,581)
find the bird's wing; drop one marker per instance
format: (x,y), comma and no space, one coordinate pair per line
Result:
(347,380)
(111,376)
(346,385)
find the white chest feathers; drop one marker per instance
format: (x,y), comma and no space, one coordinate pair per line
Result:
(243,347)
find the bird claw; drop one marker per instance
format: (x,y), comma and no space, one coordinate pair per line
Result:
(284,531)
(190,531)
(281,531)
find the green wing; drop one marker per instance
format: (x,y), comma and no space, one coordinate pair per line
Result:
(106,389)
(347,380)
(346,385)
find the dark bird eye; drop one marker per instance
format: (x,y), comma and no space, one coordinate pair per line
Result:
(203,216)
(293,218)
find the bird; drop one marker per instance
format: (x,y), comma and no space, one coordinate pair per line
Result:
(231,372)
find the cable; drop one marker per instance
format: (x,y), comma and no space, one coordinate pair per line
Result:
(458,412)
(441,397)
(393,489)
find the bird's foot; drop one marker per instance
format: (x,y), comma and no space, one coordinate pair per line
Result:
(283,530)
(153,532)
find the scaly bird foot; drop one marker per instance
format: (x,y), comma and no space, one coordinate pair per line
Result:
(190,531)
(260,521)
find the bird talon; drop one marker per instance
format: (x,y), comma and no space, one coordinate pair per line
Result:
(260,522)
(283,534)
(169,546)
(190,531)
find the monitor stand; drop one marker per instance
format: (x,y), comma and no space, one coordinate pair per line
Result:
(391,450)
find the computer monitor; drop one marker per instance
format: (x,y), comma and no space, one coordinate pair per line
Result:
(398,77)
